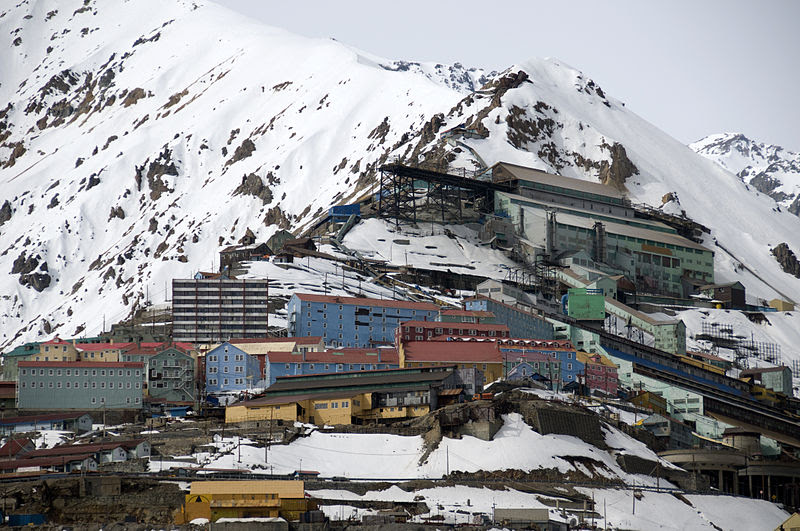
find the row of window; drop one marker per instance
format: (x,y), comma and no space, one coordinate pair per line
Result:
(214,357)
(77,372)
(76,385)
(225,381)
(213,370)
(333,405)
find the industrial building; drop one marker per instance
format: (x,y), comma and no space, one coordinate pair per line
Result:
(353,321)
(212,310)
(519,319)
(230,368)
(555,216)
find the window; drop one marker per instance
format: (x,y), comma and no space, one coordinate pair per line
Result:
(225,369)
(23,372)
(102,385)
(94,385)
(86,385)
(334,405)
(68,373)
(111,385)
(225,357)
(67,386)
(322,405)
(50,385)
(58,372)
(225,381)
(94,400)
(58,385)
(94,372)
(102,372)
(212,358)
(345,404)
(339,367)
(238,368)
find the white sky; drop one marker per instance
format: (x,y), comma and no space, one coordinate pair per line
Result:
(690,67)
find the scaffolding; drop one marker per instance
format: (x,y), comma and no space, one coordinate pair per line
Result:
(433,193)
(721,336)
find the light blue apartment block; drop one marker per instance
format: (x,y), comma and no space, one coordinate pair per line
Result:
(229,368)
(353,321)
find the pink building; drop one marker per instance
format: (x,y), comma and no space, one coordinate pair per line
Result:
(599,373)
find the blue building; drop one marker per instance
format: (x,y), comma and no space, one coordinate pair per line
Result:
(520,322)
(328,361)
(229,368)
(562,351)
(353,321)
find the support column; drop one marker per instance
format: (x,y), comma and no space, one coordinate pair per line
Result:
(721,484)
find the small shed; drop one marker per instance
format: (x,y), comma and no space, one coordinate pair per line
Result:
(781,305)
(731,295)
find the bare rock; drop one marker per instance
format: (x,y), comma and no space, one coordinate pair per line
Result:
(253,185)
(787,259)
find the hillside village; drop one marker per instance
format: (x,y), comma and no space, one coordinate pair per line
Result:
(259,280)
(581,339)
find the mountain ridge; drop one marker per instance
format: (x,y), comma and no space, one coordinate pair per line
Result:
(130,153)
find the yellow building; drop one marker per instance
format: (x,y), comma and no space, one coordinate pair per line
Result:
(781,305)
(344,398)
(244,499)
(56,350)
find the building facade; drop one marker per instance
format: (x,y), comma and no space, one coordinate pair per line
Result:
(211,310)
(60,385)
(329,361)
(599,373)
(520,322)
(560,214)
(229,368)
(353,321)
(431,330)
(555,350)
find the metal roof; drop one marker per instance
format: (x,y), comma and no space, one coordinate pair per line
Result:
(539,176)
(364,301)
(283,488)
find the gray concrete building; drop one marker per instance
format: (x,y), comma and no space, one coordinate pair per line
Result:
(212,310)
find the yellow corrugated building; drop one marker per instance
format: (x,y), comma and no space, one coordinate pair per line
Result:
(244,499)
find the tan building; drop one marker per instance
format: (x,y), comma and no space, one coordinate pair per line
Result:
(244,499)
(56,350)
(781,305)
(346,398)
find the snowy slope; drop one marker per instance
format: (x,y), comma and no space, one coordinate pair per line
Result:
(138,137)
(768,168)
(169,110)
(548,115)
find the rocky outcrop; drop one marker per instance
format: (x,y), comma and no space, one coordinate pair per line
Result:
(153,171)
(621,167)
(37,281)
(5,212)
(787,259)
(253,185)
(242,152)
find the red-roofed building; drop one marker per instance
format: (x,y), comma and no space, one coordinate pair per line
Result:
(53,464)
(16,448)
(482,355)
(56,350)
(428,330)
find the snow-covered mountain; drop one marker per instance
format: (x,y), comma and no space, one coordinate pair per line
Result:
(769,169)
(139,136)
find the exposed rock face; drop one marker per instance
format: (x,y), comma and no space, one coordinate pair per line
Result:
(24,264)
(242,152)
(620,169)
(253,185)
(5,212)
(787,259)
(37,281)
(163,165)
